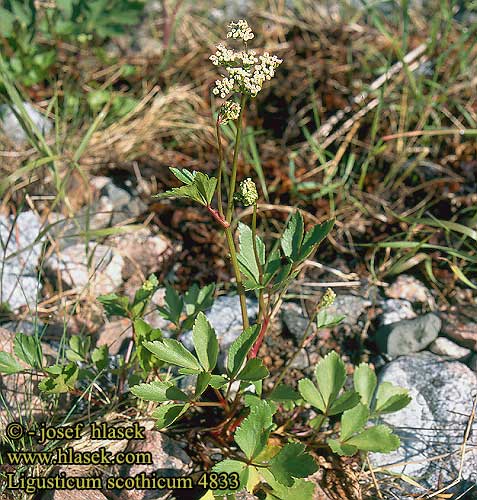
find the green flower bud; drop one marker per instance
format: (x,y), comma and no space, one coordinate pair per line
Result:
(229,111)
(328,299)
(150,284)
(247,193)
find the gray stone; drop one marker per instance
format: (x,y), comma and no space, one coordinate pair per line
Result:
(168,460)
(20,250)
(294,319)
(349,306)
(434,423)
(99,270)
(444,347)
(301,362)
(112,205)
(395,310)
(115,335)
(232,9)
(225,316)
(411,289)
(12,128)
(408,336)
(458,326)
(144,253)
(24,326)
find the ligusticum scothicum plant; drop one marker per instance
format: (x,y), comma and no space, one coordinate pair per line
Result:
(251,406)
(252,462)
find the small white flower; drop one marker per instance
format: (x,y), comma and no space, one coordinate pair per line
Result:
(246,72)
(240,30)
(223,56)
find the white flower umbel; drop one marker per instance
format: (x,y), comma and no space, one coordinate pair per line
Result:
(240,30)
(246,72)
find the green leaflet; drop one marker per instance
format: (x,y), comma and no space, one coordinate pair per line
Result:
(198,187)
(240,348)
(173,352)
(205,342)
(159,391)
(292,462)
(246,257)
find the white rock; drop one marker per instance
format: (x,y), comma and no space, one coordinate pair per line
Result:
(411,289)
(20,248)
(12,128)
(433,424)
(99,269)
(443,346)
(396,310)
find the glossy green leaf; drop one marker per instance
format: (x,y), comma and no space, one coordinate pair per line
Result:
(205,342)
(330,377)
(293,236)
(347,400)
(167,414)
(253,370)
(365,382)
(240,348)
(379,439)
(173,352)
(353,421)
(292,462)
(284,393)
(159,392)
(252,435)
(202,383)
(246,256)
(311,394)
(100,357)
(391,398)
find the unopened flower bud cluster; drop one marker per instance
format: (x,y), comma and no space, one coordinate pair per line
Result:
(150,284)
(247,193)
(328,299)
(247,72)
(229,111)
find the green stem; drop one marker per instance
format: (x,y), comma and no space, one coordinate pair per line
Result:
(238,276)
(261,300)
(233,177)
(221,167)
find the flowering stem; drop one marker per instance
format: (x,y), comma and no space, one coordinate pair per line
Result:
(238,276)
(233,177)
(221,167)
(261,300)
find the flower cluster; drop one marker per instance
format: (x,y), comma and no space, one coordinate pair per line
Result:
(229,111)
(247,193)
(328,299)
(240,29)
(247,72)
(150,284)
